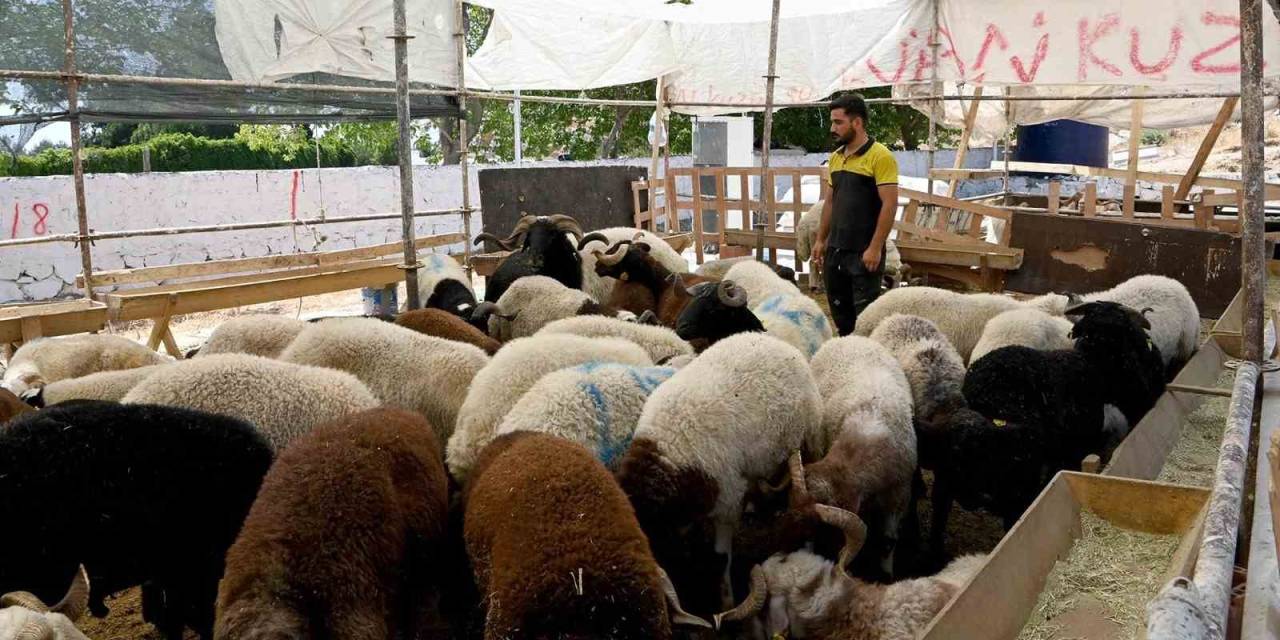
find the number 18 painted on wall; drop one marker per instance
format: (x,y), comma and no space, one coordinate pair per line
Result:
(39,221)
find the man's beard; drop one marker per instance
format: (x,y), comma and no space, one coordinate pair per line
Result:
(840,141)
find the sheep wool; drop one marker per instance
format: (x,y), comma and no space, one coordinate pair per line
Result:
(932,366)
(46,360)
(436,268)
(283,400)
(402,367)
(796,319)
(512,372)
(442,324)
(594,404)
(961,317)
(534,302)
(760,281)
(660,342)
(256,335)
(1026,327)
(104,385)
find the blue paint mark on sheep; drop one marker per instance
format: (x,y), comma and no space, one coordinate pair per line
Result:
(814,324)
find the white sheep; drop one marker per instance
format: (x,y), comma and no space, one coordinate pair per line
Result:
(531,303)
(717,268)
(961,317)
(595,404)
(601,288)
(717,427)
(934,370)
(1026,327)
(283,400)
(46,360)
(866,440)
(104,385)
(257,335)
(804,595)
(784,311)
(1174,317)
(23,616)
(807,233)
(443,277)
(513,371)
(661,343)
(402,367)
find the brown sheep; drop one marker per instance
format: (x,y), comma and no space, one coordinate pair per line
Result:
(340,540)
(442,324)
(556,549)
(644,284)
(11,406)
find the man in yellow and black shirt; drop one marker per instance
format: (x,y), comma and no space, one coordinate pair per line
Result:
(858,216)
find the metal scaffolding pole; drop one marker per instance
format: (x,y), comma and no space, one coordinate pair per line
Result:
(935,110)
(1252,113)
(405,148)
(766,185)
(518,143)
(460,35)
(77,149)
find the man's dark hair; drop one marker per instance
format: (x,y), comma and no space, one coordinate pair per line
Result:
(853,105)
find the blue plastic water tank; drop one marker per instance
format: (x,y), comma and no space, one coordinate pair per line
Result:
(1063,142)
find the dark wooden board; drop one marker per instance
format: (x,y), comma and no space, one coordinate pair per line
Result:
(1087,254)
(596,197)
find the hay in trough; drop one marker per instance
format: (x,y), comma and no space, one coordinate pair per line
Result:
(1194,458)
(1102,587)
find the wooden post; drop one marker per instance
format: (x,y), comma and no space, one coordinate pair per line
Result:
(697,213)
(1206,146)
(460,47)
(1055,195)
(1204,212)
(77,148)
(1166,202)
(1089,204)
(658,133)
(146,158)
(722,213)
(1135,143)
(962,150)
(404,147)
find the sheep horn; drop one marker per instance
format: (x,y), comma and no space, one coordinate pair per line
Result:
(648,317)
(679,282)
(494,239)
(754,603)
(1141,317)
(618,245)
(566,224)
(35,629)
(609,259)
(731,295)
(678,614)
(799,487)
(76,601)
(518,232)
(855,530)
(594,236)
(24,599)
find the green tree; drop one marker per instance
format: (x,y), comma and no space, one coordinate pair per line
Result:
(898,126)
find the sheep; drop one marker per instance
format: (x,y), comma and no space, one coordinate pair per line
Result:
(257,335)
(644,284)
(516,368)
(341,539)
(46,360)
(543,250)
(442,324)
(807,596)
(402,367)
(283,400)
(730,418)
(443,284)
(1174,317)
(11,406)
(807,233)
(25,617)
(138,494)
(601,287)
(716,269)
(866,441)
(961,317)
(594,404)
(760,281)
(714,311)
(556,549)
(661,343)
(1028,327)
(531,303)
(104,385)
(932,366)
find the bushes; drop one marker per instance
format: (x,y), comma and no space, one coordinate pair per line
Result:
(185,152)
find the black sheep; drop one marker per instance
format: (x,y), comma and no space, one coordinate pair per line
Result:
(1125,360)
(717,311)
(137,493)
(543,250)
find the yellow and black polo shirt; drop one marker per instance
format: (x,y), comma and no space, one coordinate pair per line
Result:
(855,199)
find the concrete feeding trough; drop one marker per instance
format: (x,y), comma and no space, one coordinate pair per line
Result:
(998,601)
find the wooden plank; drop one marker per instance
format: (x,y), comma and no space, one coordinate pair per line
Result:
(909,218)
(1272,188)
(1228,331)
(942,173)
(161,324)
(16,311)
(1055,195)
(943,201)
(1135,143)
(776,240)
(31,328)
(962,149)
(1166,202)
(1228,199)
(240,265)
(746,200)
(722,212)
(1090,202)
(59,324)
(1206,147)
(959,256)
(697,216)
(221,294)
(1204,212)
(915,231)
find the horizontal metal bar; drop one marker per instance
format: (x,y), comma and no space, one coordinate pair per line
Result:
(234,226)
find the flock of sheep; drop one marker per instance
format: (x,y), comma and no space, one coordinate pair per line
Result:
(606,446)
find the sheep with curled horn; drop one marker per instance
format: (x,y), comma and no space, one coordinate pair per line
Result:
(713,311)
(23,616)
(540,247)
(601,287)
(644,283)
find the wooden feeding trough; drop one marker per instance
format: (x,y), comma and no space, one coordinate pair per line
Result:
(998,601)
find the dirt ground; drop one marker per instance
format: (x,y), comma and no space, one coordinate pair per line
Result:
(1181,145)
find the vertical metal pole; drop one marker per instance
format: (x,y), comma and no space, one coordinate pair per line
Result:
(935,114)
(766,185)
(405,150)
(460,35)
(77,150)
(1252,112)
(659,132)
(519,143)
(1009,129)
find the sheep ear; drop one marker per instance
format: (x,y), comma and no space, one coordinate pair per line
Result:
(1074,299)
(1078,309)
